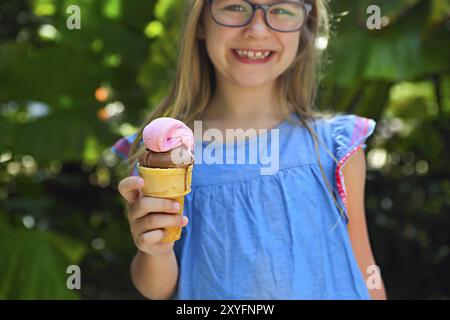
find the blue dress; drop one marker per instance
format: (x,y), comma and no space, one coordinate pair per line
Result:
(271,236)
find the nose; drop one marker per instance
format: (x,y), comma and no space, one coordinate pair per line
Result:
(257,26)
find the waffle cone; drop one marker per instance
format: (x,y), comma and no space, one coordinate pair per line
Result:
(168,183)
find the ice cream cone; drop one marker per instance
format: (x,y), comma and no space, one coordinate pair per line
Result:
(168,183)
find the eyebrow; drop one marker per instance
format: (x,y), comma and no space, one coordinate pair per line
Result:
(275,1)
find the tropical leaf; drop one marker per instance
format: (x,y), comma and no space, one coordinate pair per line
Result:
(399,51)
(34,264)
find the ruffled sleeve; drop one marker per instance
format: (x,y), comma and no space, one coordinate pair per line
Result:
(350,133)
(122,148)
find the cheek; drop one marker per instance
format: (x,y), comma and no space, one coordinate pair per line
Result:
(213,39)
(214,47)
(217,42)
(290,44)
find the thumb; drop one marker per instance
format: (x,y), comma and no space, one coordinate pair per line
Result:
(130,188)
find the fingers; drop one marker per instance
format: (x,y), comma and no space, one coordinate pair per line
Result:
(149,216)
(150,204)
(151,244)
(156,221)
(148,239)
(130,188)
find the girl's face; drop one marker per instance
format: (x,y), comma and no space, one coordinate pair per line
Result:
(221,41)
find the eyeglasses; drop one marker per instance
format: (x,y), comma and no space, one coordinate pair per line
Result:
(283,16)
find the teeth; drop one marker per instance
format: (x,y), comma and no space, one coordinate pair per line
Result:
(253,55)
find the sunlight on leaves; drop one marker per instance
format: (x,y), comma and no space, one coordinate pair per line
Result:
(112,9)
(154,29)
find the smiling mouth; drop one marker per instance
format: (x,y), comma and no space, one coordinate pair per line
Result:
(253,55)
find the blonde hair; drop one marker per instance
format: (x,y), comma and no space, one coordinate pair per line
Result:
(195,79)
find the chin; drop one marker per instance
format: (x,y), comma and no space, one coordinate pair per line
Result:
(251,81)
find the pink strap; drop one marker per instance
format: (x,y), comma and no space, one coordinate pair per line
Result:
(357,132)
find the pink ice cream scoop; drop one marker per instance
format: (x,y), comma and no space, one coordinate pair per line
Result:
(164,134)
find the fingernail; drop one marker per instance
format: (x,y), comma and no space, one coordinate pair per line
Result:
(185,220)
(141,182)
(176,205)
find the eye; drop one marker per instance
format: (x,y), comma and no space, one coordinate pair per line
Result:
(235,7)
(282,11)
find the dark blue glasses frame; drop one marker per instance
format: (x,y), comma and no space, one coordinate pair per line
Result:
(265,7)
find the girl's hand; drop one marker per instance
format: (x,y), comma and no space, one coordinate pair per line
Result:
(148,216)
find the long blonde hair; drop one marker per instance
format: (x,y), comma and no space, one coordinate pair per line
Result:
(195,80)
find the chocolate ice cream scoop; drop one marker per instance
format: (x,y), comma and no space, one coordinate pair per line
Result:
(176,158)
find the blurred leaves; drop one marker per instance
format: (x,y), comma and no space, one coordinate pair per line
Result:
(64,75)
(34,264)
(401,50)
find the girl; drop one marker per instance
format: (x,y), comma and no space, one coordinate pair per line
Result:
(299,233)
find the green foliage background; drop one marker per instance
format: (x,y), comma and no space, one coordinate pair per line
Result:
(58,200)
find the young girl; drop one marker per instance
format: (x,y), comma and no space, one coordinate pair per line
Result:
(299,233)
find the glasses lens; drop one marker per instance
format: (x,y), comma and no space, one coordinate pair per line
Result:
(286,16)
(231,12)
